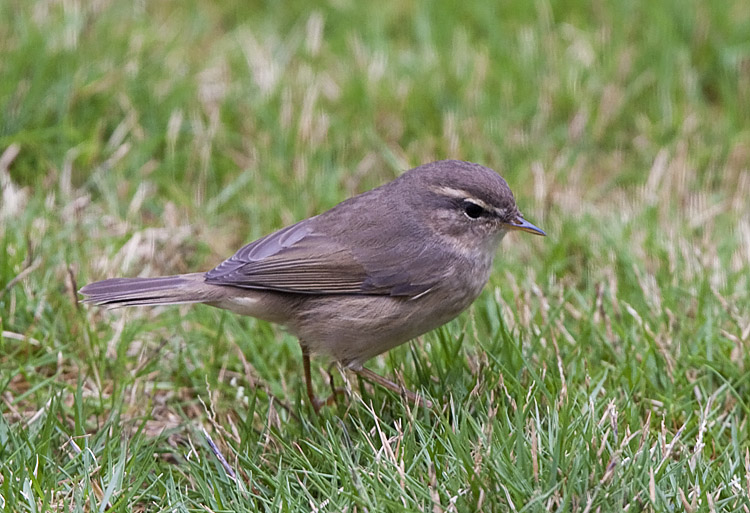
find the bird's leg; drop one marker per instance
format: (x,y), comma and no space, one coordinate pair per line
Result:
(335,391)
(392,386)
(316,402)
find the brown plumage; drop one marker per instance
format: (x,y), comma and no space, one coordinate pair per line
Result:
(369,274)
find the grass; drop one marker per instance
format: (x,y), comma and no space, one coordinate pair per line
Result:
(604,368)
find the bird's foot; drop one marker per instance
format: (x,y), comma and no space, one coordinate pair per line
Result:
(318,402)
(386,383)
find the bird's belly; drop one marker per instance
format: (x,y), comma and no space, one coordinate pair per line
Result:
(353,329)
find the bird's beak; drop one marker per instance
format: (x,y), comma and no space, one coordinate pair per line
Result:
(519,223)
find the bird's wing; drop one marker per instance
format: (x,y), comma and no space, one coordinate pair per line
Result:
(302,260)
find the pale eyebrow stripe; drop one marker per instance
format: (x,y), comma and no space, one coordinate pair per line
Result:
(466,196)
(481,203)
(450,191)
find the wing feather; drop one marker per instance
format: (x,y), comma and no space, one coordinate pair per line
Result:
(316,257)
(294,259)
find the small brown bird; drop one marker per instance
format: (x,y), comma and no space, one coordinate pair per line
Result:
(371,273)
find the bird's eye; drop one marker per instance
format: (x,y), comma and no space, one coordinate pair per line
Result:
(472,210)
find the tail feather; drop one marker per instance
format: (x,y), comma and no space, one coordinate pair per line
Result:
(164,290)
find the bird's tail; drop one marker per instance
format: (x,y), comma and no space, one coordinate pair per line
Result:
(164,290)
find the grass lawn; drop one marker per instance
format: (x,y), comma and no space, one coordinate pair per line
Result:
(605,367)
